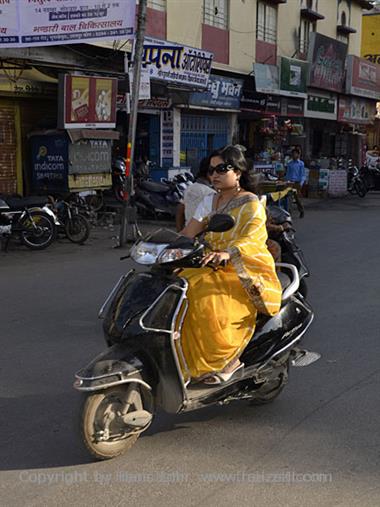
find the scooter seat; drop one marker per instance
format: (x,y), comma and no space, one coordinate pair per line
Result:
(152,186)
(18,203)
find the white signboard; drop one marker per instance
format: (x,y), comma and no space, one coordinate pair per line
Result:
(25,23)
(171,62)
(144,91)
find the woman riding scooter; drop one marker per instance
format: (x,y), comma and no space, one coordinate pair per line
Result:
(224,301)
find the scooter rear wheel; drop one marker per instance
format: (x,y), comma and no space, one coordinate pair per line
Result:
(272,389)
(103,431)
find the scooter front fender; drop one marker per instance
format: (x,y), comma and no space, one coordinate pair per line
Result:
(113,367)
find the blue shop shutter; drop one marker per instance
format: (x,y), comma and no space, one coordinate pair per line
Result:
(201,134)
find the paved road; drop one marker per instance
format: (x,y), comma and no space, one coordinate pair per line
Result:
(325,423)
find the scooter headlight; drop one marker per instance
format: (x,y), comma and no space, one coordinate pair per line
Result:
(146,253)
(173,254)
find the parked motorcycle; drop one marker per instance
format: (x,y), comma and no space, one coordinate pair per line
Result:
(144,367)
(72,223)
(291,253)
(154,199)
(30,219)
(355,183)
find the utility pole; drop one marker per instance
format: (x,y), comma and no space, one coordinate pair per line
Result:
(128,185)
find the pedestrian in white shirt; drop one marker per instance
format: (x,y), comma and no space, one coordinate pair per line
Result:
(194,195)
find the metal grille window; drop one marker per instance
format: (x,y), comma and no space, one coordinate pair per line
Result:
(266,22)
(215,13)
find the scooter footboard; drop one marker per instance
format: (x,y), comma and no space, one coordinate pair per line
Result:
(113,367)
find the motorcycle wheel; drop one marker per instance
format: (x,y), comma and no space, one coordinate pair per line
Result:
(104,433)
(96,201)
(77,229)
(360,188)
(272,389)
(38,231)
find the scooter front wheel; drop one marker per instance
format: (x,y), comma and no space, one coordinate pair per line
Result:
(104,431)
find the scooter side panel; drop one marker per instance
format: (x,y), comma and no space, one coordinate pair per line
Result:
(279,331)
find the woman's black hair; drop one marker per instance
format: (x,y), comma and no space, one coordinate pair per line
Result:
(234,156)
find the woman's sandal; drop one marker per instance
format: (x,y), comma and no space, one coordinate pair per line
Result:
(221,378)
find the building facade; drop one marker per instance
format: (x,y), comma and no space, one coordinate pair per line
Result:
(274,70)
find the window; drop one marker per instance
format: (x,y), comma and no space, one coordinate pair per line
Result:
(305,28)
(215,13)
(266,22)
(158,5)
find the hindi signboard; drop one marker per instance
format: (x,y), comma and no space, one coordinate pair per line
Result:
(175,63)
(356,110)
(363,78)
(222,92)
(327,57)
(25,23)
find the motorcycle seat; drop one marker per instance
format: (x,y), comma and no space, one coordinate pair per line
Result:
(20,203)
(152,186)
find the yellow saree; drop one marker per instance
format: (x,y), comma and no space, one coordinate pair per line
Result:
(223,303)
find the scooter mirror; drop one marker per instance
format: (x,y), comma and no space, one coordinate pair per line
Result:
(220,223)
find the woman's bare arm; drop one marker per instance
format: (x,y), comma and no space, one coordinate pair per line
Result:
(192,228)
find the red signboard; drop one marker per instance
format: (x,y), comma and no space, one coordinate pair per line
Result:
(87,101)
(327,59)
(363,78)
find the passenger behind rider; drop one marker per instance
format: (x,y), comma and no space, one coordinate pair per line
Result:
(193,195)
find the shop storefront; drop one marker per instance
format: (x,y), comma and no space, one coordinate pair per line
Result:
(321,127)
(271,121)
(28,100)
(176,72)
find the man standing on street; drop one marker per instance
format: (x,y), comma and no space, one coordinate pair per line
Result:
(295,172)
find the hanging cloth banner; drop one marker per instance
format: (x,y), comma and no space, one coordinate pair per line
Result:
(25,23)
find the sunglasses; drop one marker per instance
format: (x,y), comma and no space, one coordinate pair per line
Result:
(219,169)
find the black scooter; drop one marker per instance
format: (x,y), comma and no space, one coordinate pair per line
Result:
(144,367)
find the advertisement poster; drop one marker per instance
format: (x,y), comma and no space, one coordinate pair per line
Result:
(171,62)
(222,92)
(363,78)
(26,23)
(80,100)
(266,78)
(87,101)
(293,77)
(327,57)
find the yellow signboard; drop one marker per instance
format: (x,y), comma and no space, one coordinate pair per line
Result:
(371,37)
(86,181)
